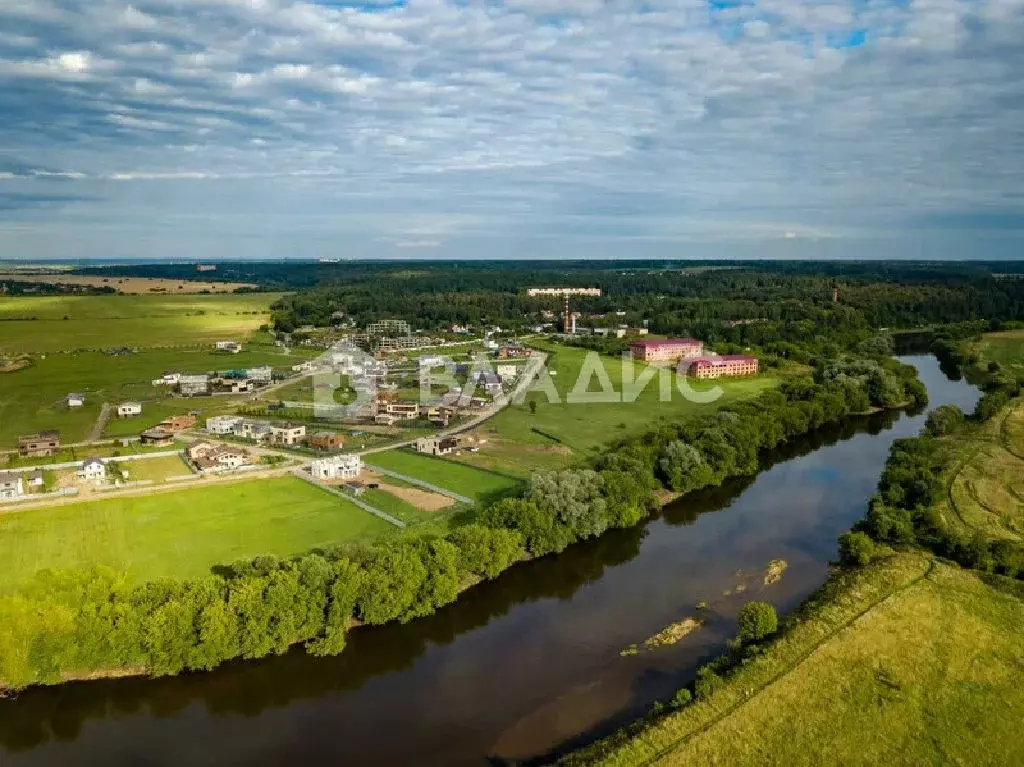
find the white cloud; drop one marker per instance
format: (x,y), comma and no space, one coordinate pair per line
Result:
(789,117)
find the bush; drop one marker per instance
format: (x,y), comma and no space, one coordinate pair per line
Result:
(855,549)
(681,698)
(757,620)
(707,683)
(944,420)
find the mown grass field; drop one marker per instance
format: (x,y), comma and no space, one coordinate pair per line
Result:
(560,433)
(986,485)
(1006,348)
(443,472)
(47,324)
(156,469)
(914,662)
(180,534)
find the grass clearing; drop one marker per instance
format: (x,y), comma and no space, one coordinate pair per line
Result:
(156,469)
(127,284)
(183,533)
(559,433)
(48,324)
(458,478)
(1006,348)
(912,662)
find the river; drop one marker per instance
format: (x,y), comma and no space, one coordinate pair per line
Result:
(519,668)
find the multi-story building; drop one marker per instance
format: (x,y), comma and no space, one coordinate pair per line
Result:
(287,433)
(223,424)
(337,467)
(667,350)
(720,367)
(38,445)
(437,445)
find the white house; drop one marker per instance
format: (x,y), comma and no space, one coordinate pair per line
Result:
(74,399)
(93,469)
(337,467)
(11,485)
(168,379)
(231,347)
(506,372)
(223,424)
(287,433)
(189,385)
(263,374)
(36,479)
(129,409)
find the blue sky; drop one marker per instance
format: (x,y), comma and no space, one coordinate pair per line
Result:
(527,128)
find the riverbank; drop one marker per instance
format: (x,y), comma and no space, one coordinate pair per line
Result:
(900,661)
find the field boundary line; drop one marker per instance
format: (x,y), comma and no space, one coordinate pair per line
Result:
(800,659)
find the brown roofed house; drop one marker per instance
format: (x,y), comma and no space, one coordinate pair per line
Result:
(37,445)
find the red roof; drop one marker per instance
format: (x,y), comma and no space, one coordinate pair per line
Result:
(724,359)
(668,342)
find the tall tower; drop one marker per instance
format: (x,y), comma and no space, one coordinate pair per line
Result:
(568,326)
(835,294)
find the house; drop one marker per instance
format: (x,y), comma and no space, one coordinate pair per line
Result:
(287,433)
(668,350)
(93,469)
(223,424)
(326,440)
(37,445)
(176,423)
(490,382)
(156,437)
(35,478)
(437,445)
(229,347)
(262,374)
(514,352)
(211,459)
(74,399)
(507,372)
(719,367)
(190,386)
(402,410)
(129,409)
(11,485)
(258,431)
(385,419)
(337,467)
(168,379)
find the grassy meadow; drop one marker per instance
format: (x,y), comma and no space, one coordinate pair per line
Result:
(465,480)
(912,662)
(48,324)
(182,533)
(1006,348)
(560,433)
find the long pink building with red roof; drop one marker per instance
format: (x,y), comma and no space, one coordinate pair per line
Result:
(718,367)
(667,350)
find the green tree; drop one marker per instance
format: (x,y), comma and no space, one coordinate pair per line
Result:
(757,620)
(855,548)
(943,420)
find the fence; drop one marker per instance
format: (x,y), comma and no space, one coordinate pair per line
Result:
(63,493)
(361,504)
(421,483)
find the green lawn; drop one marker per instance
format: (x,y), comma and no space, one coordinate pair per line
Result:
(562,432)
(396,507)
(451,475)
(929,674)
(156,469)
(180,534)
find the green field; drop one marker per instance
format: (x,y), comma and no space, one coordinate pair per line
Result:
(986,485)
(156,469)
(180,534)
(46,324)
(465,480)
(561,433)
(915,662)
(31,399)
(1006,348)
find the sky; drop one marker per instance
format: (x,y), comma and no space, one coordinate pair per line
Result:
(520,129)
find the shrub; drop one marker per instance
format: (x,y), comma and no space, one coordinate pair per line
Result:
(757,620)
(707,683)
(855,548)
(681,698)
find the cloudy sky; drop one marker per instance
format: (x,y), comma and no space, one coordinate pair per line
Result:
(543,128)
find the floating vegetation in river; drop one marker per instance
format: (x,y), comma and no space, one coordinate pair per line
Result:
(702,604)
(775,570)
(631,650)
(673,633)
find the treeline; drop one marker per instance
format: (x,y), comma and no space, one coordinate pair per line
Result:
(70,624)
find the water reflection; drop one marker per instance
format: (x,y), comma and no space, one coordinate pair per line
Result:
(523,666)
